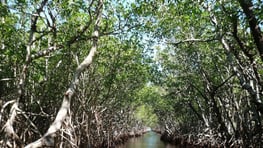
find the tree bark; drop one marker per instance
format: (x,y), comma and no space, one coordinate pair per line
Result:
(247,7)
(48,138)
(8,127)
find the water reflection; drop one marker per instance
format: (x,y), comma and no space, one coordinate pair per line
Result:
(148,140)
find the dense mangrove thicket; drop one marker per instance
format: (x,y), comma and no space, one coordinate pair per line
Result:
(94,73)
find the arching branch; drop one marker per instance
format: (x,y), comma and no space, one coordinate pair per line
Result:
(48,138)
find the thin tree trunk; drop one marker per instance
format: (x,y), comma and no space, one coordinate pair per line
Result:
(8,127)
(247,7)
(48,138)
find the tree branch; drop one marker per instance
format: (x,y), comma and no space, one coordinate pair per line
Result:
(223,83)
(247,7)
(48,138)
(45,52)
(8,127)
(191,41)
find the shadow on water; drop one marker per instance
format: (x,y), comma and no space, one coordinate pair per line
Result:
(148,140)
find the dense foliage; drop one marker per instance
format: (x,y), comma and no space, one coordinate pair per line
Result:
(83,73)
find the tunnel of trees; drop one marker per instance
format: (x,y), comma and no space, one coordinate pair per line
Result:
(77,73)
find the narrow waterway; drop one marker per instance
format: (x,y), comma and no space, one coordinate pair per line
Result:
(148,140)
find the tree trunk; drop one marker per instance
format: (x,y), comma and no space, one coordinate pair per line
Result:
(48,138)
(247,7)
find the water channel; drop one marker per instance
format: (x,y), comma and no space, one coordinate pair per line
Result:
(148,140)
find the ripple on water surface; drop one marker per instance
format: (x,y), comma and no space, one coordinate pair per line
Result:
(148,140)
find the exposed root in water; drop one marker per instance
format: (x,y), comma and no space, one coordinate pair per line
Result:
(195,141)
(120,139)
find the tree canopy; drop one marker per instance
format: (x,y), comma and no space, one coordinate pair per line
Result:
(81,73)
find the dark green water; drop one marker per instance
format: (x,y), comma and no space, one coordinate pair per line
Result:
(148,140)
